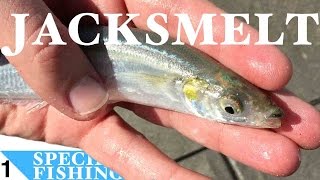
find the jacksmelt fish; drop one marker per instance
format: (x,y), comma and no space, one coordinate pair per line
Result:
(177,78)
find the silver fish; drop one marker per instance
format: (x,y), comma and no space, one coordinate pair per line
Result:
(177,78)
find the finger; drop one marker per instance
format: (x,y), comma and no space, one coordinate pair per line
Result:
(109,140)
(265,66)
(301,122)
(14,121)
(261,149)
(124,147)
(61,75)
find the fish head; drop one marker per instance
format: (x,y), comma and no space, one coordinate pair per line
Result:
(238,103)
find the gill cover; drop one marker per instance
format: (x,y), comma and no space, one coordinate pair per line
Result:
(194,91)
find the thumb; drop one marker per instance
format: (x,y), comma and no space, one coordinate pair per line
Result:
(60,75)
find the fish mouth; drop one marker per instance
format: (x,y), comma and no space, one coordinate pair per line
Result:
(276,113)
(271,123)
(273,120)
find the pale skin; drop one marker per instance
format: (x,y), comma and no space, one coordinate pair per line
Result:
(113,142)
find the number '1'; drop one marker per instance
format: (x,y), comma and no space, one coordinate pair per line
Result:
(6,164)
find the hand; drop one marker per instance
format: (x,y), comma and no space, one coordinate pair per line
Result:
(112,142)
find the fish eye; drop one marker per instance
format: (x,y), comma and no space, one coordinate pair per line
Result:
(229,109)
(231,105)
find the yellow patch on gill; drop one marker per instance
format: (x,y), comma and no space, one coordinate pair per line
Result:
(193,86)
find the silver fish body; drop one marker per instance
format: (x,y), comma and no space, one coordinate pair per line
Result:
(177,78)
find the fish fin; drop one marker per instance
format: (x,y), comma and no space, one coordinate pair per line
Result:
(35,107)
(6,98)
(31,105)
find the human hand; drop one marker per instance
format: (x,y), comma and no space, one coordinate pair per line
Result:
(111,141)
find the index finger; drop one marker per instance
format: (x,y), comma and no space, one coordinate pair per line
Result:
(265,66)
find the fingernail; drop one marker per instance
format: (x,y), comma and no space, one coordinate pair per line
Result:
(88,96)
